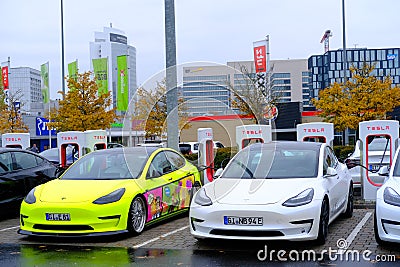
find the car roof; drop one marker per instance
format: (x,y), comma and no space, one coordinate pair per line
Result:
(288,144)
(10,149)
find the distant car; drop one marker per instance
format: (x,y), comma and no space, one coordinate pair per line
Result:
(193,147)
(111,191)
(378,156)
(387,205)
(114,145)
(274,191)
(20,171)
(52,154)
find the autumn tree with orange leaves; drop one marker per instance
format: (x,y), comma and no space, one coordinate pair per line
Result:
(151,109)
(82,108)
(10,116)
(363,97)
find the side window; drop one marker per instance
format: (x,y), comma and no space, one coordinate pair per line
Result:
(176,160)
(329,160)
(39,160)
(159,166)
(5,162)
(24,160)
(333,157)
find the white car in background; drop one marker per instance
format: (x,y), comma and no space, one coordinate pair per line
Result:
(274,191)
(387,210)
(378,157)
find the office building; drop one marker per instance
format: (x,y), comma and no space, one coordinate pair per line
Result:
(25,86)
(207,90)
(329,68)
(110,44)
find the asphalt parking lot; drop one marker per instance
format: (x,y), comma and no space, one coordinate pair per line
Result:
(354,234)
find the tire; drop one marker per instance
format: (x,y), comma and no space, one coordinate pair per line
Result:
(137,216)
(377,238)
(323,223)
(350,203)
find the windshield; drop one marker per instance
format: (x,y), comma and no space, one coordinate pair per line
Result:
(379,144)
(274,162)
(108,164)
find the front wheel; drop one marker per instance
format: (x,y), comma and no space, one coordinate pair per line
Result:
(137,216)
(323,223)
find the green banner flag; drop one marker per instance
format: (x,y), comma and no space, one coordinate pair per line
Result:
(122,85)
(44,73)
(100,68)
(73,69)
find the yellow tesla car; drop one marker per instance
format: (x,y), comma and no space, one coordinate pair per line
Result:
(111,191)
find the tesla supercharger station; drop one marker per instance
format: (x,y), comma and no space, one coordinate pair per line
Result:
(206,153)
(322,132)
(255,133)
(368,130)
(95,140)
(16,140)
(70,139)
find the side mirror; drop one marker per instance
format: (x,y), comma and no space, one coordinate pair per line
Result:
(218,172)
(384,171)
(330,172)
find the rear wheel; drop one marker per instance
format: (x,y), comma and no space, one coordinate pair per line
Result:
(350,203)
(323,223)
(137,216)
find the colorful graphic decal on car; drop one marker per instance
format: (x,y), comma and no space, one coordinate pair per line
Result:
(169,198)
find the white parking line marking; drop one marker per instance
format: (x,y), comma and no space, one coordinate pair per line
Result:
(10,228)
(161,236)
(355,231)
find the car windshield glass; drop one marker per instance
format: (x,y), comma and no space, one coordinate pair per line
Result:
(379,144)
(273,162)
(108,165)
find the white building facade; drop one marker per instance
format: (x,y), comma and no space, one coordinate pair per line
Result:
(25,86)
(110,44)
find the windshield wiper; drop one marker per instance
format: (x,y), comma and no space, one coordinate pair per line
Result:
(244,167)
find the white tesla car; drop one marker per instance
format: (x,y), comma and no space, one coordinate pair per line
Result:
(274,191)
(387,210)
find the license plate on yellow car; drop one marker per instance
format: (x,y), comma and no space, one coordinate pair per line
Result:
(58,217)
(231,220)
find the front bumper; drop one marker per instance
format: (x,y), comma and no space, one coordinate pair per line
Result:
(279,222)
(86,219)
(388,221)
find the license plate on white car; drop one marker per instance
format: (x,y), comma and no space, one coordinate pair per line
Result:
(373,167)
(58,217)
(231,220)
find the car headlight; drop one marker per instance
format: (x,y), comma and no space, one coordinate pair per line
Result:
(390,196)
(30,197)
(202,198)
(112,197)
(303,198)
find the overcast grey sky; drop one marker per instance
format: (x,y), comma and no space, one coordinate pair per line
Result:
(206,30)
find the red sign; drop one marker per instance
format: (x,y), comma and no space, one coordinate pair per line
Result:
(13,139)
(260,60)
(4,75)
(378,128)
(252,132)
(69,138)
(314,130)
(99,137)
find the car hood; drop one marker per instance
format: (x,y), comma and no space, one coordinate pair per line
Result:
(74,191)
(258,191)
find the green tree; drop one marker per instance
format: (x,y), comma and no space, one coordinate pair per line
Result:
(10,116)
(151,108)
(82,108)
(363,97)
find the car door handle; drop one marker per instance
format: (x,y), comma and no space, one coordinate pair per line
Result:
(169,179)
